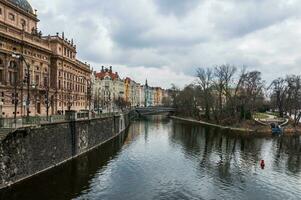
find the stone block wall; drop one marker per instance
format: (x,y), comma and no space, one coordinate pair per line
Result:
(26,152)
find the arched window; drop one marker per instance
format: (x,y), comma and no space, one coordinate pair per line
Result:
(13,64)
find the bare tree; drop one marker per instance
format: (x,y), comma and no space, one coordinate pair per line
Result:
(279,93)
(250,91)
(205,83)
(223,77)
(293,97)
(186,102)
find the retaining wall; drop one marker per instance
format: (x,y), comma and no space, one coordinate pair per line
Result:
(27,152)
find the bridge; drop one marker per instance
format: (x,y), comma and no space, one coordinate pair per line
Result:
(154,110)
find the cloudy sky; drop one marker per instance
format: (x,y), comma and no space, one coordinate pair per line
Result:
(166,40)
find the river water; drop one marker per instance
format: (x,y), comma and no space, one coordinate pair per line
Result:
(159,158)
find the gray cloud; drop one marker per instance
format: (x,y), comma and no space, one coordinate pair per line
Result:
(156,36)
(176,7)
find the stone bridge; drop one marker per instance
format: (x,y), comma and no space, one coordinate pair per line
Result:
(154,110)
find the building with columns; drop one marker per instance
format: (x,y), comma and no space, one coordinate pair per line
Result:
(45,67)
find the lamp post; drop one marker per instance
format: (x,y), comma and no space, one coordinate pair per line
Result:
(47,102)
(15,97)
(27,79)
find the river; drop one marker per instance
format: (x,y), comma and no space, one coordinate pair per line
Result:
(160,158)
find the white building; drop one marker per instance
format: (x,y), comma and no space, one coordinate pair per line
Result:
(108,88)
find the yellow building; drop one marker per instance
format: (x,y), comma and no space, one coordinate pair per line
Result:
(56,78)
(158,95)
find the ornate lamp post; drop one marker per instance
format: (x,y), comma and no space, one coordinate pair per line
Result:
(27,79)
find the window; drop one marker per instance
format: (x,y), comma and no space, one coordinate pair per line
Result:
(1,62)
(45,81)
(13,64)
(12,77)
(37,79)
(1,75)
(11,17)
(23,22)
(0,11)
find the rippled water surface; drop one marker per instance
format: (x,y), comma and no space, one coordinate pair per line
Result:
(159,158)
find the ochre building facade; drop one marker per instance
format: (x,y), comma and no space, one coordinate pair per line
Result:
(57,80)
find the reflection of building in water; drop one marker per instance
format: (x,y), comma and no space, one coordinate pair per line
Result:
(134,131)
(146,131)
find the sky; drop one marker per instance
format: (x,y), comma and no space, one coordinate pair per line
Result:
(165,41)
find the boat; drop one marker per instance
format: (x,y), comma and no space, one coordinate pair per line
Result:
(276,129)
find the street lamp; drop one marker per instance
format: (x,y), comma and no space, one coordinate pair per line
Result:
(27,78)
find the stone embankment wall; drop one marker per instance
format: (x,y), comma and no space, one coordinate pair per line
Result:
(27,152)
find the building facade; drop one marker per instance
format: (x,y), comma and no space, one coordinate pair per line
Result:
(70,78)
(108,89)
(38,74)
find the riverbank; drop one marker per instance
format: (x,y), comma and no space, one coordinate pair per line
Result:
(257,129)
(191,120)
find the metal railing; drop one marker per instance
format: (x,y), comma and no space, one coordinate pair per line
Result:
(29,121)
(34,121)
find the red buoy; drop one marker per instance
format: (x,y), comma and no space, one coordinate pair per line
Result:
(262,164)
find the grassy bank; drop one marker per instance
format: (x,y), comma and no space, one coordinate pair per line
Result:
(246,128)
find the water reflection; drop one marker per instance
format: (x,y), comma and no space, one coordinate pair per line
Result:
(164,159)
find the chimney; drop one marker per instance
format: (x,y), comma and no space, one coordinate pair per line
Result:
(102,68)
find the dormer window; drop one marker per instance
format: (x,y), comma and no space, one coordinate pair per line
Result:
(11,16)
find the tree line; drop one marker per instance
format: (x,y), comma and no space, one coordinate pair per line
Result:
(227,94)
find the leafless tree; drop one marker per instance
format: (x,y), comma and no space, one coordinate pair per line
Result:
(205,83)
(293,98)
(280,88)
(223,76)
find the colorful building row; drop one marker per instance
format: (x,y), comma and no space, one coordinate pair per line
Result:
(109,90)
